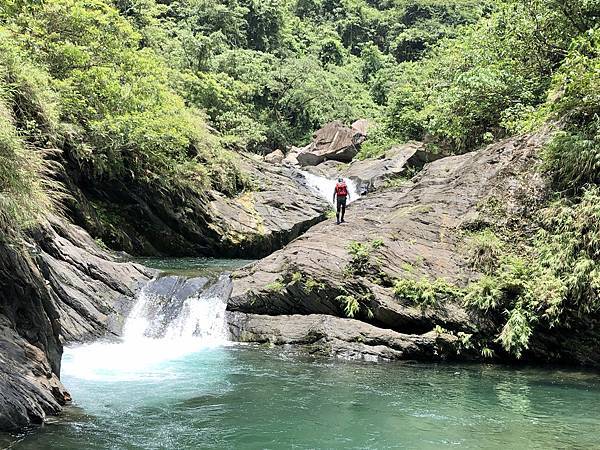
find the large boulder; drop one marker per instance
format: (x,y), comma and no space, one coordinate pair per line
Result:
(374,173)
(275,157)
(333,336)
(361,126)
(327,169)
(419,231)
(291,158)
(332,142)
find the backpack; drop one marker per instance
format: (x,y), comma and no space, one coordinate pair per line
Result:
(341,190)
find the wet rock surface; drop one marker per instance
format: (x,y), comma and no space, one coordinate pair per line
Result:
(327,335)
(166,300)
(376,173)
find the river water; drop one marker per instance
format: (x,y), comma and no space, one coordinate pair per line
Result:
(174,382)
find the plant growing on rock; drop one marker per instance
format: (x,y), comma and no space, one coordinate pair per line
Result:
(351,305)
(485,249)
(276,286)
(425,293)
(310,285)
(361,262)
(355,303)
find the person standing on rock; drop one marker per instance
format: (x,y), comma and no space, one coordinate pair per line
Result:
(341,194)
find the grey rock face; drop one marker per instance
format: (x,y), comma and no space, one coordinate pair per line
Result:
(361,126)
(156,223)
(30,347)
(420,226)
(91,290)
(262,221)
(373,173)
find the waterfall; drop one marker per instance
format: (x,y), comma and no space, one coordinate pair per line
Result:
(172,317)
(324,187)
(175,308)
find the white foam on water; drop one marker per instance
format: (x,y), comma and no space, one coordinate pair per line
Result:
(324,187)
(199,325)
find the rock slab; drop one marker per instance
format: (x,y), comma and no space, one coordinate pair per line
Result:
(419,230)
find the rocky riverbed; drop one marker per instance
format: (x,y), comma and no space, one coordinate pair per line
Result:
(311,292)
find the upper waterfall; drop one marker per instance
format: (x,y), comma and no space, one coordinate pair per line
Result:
(324,187)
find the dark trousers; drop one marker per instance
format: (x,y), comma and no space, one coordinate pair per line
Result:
(341,207)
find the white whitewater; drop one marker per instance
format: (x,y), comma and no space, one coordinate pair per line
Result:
(198,324)
(324,187)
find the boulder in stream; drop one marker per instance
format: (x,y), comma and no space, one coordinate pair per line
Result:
(275,157)
(332,142)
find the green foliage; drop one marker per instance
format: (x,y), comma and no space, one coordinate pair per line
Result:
(525,292)
(488,82)
(276,286)
(424,293)
(28,122)
(557,280)
(485,250)
(487,353)
(516,332)
(311,285)
(350,303)
(568,244)
(296,277)
(573,157)
(356,303)
(361,262)
(119,116)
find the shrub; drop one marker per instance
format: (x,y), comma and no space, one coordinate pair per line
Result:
(425,293)
(28,126)
(485,250)
(361,261)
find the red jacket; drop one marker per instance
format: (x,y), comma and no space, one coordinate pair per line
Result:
(341,189)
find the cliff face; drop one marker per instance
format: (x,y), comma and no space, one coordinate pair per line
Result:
(29,342)
(55,287)
(143,220)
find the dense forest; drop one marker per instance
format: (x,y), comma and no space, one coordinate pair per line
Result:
(166,92)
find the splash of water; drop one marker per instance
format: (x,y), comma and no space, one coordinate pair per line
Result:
(168,321)
(324,187)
